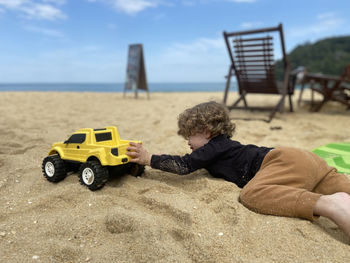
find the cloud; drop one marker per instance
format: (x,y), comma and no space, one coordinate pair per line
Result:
(325,16)
(326,22)
(74,64)
(45,31)
(57,2)
(247,25)
(30,9)
(12,3)
(188,61)
(199,45)
(195,2)
(133,7)
(42,11)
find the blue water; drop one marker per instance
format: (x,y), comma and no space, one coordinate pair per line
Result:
(115,87)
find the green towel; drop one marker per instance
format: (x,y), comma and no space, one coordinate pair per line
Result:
(336,155)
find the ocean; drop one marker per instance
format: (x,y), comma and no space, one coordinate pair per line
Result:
(116,87)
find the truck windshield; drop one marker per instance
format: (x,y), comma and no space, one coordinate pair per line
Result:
(77,138)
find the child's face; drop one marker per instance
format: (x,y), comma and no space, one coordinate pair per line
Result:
(198,140)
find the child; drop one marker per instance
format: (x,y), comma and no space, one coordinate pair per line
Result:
(277,181)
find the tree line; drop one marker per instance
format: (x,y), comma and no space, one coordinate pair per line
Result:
(327,56)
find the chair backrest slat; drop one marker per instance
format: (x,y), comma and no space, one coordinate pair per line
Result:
(267,38)
(259,60)
(253,45)
(264,50)
(256,75)
(255,66)
(253,70)
(254,56)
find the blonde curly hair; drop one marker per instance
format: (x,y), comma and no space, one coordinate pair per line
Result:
(209,116)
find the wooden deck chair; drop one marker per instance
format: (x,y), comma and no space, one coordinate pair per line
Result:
(252,62)
(339,91)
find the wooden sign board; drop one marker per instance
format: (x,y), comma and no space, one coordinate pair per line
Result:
(135,71)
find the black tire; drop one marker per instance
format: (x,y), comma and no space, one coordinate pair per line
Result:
(54,168)
(137,169)
(93,175)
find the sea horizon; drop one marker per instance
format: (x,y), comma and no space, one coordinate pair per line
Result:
(117,87)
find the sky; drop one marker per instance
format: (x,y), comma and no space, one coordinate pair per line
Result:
(86,41)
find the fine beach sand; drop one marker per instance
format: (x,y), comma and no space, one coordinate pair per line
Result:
(159,217)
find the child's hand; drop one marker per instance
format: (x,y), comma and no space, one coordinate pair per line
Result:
(138,154)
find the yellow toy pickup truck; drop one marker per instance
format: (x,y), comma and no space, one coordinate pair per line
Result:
(96,152)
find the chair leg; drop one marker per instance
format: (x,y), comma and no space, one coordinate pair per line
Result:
(301,93)
(279,107)
(312,92)
(271,116)
(319,106)
(273,112)
(244,100)
(290,103)
(236,102)
(228,82)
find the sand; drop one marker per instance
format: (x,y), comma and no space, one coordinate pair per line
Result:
(159,217)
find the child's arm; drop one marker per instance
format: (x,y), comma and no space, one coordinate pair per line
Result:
(169,163)
(138,154)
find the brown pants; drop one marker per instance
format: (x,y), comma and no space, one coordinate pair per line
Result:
(289,182)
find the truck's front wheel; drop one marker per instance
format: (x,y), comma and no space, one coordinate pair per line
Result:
(54,169)
(93,175)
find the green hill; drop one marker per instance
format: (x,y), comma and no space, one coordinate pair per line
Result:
(327,56)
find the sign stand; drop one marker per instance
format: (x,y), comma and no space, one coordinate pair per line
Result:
(135,71)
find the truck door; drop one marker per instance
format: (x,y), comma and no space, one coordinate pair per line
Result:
(73,146)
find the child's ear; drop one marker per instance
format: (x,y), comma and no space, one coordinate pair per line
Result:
(207,134)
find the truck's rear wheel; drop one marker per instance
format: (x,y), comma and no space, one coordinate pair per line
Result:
(93,175)
(54,169)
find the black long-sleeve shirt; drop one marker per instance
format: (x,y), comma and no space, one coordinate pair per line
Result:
(221,157)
